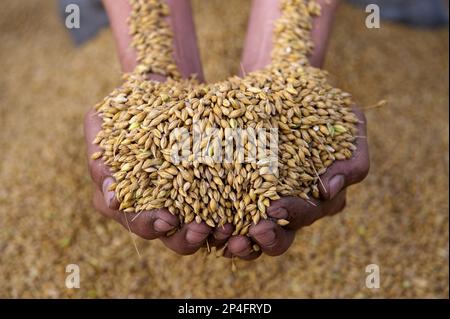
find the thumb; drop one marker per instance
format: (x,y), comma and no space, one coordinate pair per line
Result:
(351,171)
(100,173)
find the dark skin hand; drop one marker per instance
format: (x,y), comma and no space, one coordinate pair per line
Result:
(272,238)
(148,224)
(156,223)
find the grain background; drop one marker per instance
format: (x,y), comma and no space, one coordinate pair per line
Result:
(397,218)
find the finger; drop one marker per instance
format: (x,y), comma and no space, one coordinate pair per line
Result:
(220,235)
(188,239)
(300,213)
(348,172)
(147,224)
(242,247)
(272,238)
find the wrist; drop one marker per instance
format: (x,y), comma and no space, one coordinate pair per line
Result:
(118,12)
(321,31)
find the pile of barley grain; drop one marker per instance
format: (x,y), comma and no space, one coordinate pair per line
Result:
(397,218)
(313,122)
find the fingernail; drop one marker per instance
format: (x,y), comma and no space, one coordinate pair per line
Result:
(266,238)
(162,226)
(335,185)
(279,213)
(194,237)
(107,194)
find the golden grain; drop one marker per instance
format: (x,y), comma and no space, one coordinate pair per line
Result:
(139,136)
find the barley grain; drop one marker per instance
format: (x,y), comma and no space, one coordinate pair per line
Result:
(139,134)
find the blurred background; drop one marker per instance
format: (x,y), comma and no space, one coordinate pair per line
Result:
(397,218)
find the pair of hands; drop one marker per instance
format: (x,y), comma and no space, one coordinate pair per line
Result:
(272,238)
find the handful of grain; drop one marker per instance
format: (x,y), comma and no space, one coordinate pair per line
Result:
(221,152)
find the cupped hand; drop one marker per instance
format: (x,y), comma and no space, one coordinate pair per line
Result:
(186,239)
(273,239)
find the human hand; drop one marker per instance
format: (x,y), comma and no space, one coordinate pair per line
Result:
(188,238)
(274,239)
